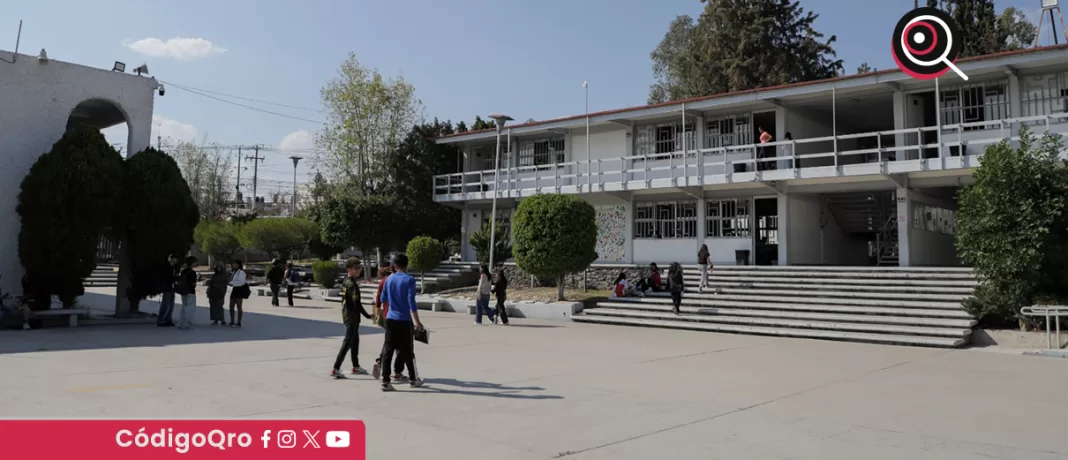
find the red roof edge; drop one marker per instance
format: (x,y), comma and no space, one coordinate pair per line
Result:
(755,90)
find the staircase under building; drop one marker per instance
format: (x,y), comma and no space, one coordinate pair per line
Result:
(887,305)
(869,213)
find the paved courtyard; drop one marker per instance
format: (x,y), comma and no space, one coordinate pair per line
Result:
(542,390)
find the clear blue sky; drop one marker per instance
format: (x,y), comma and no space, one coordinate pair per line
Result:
(524,58)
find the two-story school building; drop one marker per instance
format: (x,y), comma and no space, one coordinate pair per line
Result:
(861,170)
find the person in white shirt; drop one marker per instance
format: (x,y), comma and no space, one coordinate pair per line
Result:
(240,292)
(788,151)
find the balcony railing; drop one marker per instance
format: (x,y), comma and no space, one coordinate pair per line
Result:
(882,152)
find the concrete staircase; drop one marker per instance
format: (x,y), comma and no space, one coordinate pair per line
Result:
(888,305)
(105,275)
(448,276)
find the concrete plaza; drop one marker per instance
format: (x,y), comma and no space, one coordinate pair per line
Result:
(542,390)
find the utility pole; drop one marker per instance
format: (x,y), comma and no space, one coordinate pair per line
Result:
(255,172)
(295,159)
(240,200)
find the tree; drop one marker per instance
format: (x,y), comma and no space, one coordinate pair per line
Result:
(68,200)
(555,235)
(362,222)
(1012,226)
(207,171)
(159,218)
(985,32)
(320,249)
(424,254)
(409,182)
(278,237)
(502,249)
(218,239)
(738,45)
(367,116)
(865,68)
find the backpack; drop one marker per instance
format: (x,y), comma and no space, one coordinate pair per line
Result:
(294,276)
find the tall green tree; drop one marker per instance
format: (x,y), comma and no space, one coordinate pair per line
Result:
(362,222)
(410,174)
(738,45)
(502,247)
(554,235)
(159,218)
(70,197)
(983,30)
(865,68)
(1012,226)
(218,239)
(367,116)
(281,238)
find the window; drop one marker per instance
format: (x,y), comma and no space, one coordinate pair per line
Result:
(504,217)
(541,152)
(727,218)
(666,140)
(974,104)
(728,131)
(672,219)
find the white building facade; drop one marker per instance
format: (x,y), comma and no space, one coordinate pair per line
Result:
(861,170)
(39,100)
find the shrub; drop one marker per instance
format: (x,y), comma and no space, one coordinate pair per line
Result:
(68,200)
(480,241)
(326,273)
(278,237)
(555,235)
(159,218)
(1012,226)
(424,254)
(217,239)
(320,249)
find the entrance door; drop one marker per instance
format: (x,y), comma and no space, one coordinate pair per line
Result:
(767,231)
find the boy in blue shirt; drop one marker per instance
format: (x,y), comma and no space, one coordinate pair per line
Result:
(401,321)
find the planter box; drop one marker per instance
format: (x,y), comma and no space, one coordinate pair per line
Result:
(329,293)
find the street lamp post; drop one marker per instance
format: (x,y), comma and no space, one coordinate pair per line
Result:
(589,164)
(500,121)
(295,160)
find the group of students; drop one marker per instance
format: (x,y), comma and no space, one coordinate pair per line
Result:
(180,279)
(654,282)
(488,286)
(394,310)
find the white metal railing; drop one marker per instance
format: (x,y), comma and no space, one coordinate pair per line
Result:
(1052,313)
(693,167)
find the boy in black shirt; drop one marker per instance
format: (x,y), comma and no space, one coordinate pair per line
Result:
(351,311)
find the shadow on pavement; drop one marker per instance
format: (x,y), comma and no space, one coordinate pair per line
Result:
(255,327)
(441,385)
(533,326)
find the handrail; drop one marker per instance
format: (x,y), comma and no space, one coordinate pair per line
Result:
(726,160)
(1048,311)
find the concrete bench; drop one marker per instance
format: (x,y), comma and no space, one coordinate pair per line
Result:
(72,314)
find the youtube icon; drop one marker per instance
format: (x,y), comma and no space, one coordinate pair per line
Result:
(338,439)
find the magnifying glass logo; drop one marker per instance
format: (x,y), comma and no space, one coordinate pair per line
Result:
(924,44)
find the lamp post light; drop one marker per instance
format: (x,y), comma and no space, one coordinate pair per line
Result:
(295,159)
(589,163)
(500,121)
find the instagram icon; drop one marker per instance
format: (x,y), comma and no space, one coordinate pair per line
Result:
(287,439)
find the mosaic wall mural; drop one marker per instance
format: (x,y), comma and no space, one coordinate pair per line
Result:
(612,233)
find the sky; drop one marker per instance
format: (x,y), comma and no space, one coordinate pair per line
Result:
(527,59)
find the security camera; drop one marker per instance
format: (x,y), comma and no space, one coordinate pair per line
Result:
(161,89)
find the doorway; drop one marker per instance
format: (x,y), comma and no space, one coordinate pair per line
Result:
(766,237)
(921,112)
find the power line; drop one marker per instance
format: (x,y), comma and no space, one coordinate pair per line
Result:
(277,114)
(176,85)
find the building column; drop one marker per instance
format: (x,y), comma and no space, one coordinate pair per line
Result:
(784,228)
(628,245)
(904,226)
(702,221)
(1015,108)
(899,122)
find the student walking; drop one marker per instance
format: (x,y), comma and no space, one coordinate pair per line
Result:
(675,284)
(240,292)
(166,280)
(217,293)
(482,297)
(351,310)
(401,322)
(186,286)
(704,266)
(500,288)
(292,282)
(274,280)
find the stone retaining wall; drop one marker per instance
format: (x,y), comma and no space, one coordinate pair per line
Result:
(600,277)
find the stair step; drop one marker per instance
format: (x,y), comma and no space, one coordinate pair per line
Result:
(963,291)
(787,323)
(886,311)
(820,300)
(777,314)
(834,274)
(719,277)
(851,294)
(781,332)
(840,268)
